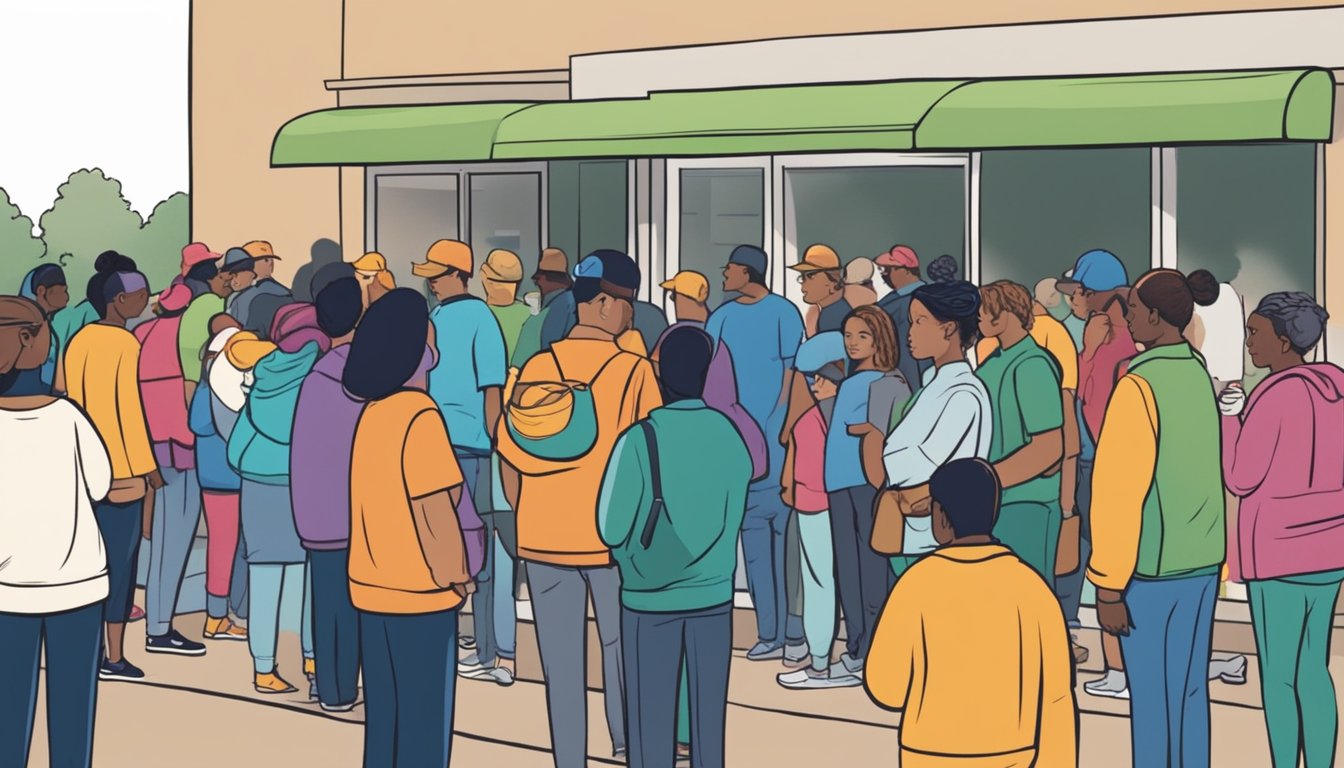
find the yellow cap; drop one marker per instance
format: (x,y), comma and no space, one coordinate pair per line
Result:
(260,249)
(817,258)
(503,267)
(443,256)
(371,262)
(245,350)
(692,285)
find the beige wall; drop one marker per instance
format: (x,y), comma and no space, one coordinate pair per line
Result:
(253,68)
(387,38)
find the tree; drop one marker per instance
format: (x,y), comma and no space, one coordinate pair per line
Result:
(159,254)
(90,216)
(20,249)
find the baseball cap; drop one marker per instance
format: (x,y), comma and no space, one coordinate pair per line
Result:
(751,257)
(615,272)
(820,350)
(690,284)
(176,297)
(553,260)
(817,258)
(443,256)
(370,263)
(859,270)
(502,266)
(260,249)
(238,260)
(245,350)
(899,256)
(196,253)
(1096,270)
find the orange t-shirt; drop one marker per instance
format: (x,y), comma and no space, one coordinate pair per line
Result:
(557,501)
(401,452)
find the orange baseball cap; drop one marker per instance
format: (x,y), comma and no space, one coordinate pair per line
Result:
(443,256)
(260,249)
(690,284)
(817,258)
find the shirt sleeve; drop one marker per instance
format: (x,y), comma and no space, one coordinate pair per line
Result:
(428,462)
(896,655)
(809,453)
(923,442)
(1038,397)
(488,354)
(1249,445)
(644,387)
(93,459)
(790,334)
(131,414)
(1060,345)
(1122,476)
(625,489)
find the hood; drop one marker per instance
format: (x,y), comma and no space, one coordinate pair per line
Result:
(275,394)
(1325,380)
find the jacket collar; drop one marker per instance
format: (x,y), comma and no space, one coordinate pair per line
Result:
(694,404)
(971,553)
(1181,351)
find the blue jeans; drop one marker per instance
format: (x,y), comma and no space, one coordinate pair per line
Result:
(267,586)
(177,515)
(335,628)
(120,526)
(763,531)
(410,675)
(1069,587)
(494,611)
(1167,657)
(74,648)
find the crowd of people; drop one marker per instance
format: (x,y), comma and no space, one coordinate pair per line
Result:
(935,471)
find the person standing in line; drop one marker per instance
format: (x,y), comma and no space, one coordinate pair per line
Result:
(1023,711)
(763,330)
(675,542)
(229,386)
(211,422)
(256,305)
(553,280)
(1283,455)
(859,291)
(319,471)
(900,271)
(259,450)
(45,285)
(822,278)
(1159,519)
(101,367)
(53,569)
(409,572)
(822,359)
(374,277)
(1027,442)
(241,270)
(558,538)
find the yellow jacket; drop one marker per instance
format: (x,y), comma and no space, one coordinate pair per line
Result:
(1015,706)
(102,365)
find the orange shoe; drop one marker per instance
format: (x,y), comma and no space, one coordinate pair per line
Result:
(223,629)
(310,668)
(272,684)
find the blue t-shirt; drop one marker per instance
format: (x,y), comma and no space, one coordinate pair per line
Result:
(764,338)
(471,358)
(844,464)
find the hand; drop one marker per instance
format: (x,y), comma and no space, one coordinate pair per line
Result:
(155,480)
(861,430)
(1112,613)
(921,508)
(1096,332)
(1232,401)
(466,589)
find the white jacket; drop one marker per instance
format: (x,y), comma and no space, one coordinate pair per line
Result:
(53,465)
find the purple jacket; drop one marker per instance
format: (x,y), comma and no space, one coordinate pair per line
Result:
(1285,459)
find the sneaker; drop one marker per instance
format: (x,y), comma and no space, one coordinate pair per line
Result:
(683,754)
(339,708)
(122,670)
(847,666)
(224,629)
(502,676)
(1231,671)
(765,652)
(1114,685)
(173,643)
(272,684)
(796,656)
(1080,654)
(470,665)
(466,642)
(137,614)
(811,679)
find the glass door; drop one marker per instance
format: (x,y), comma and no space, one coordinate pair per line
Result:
(505,211)
(409,212)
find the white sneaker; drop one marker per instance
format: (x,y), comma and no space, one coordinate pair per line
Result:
(1231,671)
(470,665)
(810,679)
(503,676)
(1114,685)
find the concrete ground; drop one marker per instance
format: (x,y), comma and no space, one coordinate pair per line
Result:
(204,713)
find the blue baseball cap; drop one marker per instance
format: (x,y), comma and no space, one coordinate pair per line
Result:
(819,351)
(750,257)
(1096,271)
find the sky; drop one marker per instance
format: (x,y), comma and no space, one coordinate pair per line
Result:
(93,83)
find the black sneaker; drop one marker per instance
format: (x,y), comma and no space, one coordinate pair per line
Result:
(173,642)
(122,670)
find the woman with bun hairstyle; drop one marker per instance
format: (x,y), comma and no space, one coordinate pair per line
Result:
(53,571)
(102,364)
(1158,521)
(1283,455)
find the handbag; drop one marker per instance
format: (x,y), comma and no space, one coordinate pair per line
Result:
(656,509)
(556,420)
(1066,554)
(128,490)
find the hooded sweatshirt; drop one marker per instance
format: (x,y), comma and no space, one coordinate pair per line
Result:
(324,437)
(259,445)
(1285,458)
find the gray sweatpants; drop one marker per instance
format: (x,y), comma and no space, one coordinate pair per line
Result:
(654,644)
(177,514)
(560,609)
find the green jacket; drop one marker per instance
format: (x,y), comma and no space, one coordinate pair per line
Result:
(705,473)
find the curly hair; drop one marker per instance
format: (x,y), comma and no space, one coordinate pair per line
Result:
(1006,296)
(942,269)
(886,355)
(1296,317)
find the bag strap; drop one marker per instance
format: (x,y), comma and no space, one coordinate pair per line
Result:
(656,509)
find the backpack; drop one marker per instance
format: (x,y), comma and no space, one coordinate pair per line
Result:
(557,420)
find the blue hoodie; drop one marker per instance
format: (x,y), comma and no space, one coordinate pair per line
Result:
(259,445)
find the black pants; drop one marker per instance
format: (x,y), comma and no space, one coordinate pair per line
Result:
(864,577)
(335,628)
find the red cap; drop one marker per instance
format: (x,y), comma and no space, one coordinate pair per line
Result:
(196,253)
(899,256)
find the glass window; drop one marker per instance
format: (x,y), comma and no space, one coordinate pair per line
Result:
(866,210)
(588,206)
(1041,209)
(506,213)
(721,208)
(410,213)
(1248,215)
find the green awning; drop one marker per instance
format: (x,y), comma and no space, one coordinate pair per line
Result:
(1214,107)
(380,135)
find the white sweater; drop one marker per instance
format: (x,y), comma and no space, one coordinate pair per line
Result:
(53,465)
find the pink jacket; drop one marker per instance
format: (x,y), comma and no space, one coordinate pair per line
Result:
(1285,458)
(163,391)
(809,458)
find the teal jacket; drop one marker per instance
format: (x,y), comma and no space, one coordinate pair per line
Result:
(259,445)
(705,473)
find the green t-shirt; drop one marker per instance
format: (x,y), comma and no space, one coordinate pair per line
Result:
(511,319)
(1023,385)
(194,333)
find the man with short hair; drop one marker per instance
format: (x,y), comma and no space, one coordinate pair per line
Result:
(255,306)
(241,269)
(823,282)
(1022,710)
(900,271)
(553,280)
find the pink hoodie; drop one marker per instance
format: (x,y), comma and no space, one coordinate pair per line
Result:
(1285,459)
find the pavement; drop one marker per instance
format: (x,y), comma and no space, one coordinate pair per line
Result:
(203,712)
